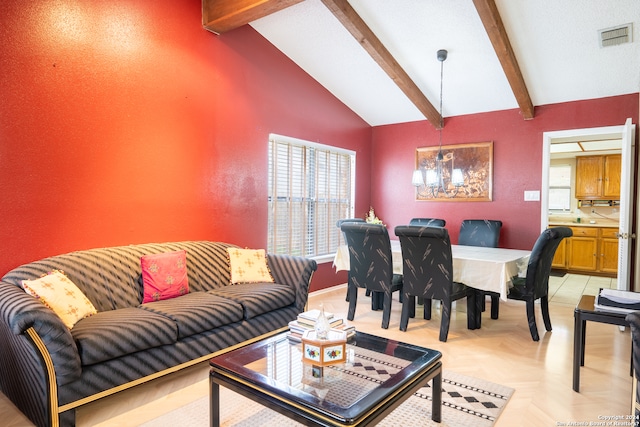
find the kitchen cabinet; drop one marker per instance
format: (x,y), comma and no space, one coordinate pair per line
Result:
(598,177)
(560,257)
(608,250)
(591,249)
(583,249)
(612,174)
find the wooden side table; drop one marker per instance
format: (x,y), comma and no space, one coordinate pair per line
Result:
(584,311)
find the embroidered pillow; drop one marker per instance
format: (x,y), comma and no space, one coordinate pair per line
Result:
(248,266)
(60,294)
(164,275)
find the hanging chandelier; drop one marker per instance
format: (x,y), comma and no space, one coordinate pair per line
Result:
(441,178)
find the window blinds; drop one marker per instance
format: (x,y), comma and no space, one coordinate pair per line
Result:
(310,188)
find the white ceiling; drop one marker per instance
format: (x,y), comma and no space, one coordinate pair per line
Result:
(556,44)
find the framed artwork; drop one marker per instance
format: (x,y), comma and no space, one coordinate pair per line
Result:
(464,174)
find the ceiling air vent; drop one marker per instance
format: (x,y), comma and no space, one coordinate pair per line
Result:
(616,35)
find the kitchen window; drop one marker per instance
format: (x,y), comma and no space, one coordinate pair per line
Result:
(560,188)
(311,187)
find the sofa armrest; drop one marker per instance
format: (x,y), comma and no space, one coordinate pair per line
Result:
(20,311)
(293,271)
(634,322)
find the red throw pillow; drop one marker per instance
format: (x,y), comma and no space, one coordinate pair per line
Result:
(164,275)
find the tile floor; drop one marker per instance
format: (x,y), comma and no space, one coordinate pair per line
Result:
(568,289)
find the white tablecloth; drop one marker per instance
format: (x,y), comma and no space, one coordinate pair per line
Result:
(487,269)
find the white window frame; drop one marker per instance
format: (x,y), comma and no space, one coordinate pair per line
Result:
(308,174)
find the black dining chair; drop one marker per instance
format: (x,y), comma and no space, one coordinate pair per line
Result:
(428,222)
(482,232)
(536,283)
(342,221)
(427,272)
(370,267)
(339,224)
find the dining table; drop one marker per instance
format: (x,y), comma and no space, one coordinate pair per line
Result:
(481,268)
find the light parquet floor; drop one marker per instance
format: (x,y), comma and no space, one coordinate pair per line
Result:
(501,351)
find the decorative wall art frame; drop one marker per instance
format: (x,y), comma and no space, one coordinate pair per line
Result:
(466,173)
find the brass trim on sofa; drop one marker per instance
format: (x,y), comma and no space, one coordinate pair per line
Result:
(56,410)
(51,375)
(159,374)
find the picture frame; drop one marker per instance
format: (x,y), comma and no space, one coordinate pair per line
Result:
(466,173)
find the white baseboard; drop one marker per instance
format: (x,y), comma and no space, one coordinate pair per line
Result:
(329,289)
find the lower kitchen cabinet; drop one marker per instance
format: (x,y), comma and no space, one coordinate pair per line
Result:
(583,249)
(590,250)
(609,250)
(560,257)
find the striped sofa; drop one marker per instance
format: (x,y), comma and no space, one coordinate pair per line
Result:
(48,370)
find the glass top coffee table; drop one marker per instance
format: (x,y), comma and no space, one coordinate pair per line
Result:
(377,376)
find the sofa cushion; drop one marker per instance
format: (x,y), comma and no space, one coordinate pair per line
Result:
(258,298)
(164,275)
(115,333)
(60,294)
(197,312)
(248,266)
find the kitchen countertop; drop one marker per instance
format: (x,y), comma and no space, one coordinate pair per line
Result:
(583,224)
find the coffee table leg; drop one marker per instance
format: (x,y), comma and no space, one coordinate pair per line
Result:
(436,398)
(578,348)
(214,403)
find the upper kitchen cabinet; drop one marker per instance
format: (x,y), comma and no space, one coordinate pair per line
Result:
(598,177)
(612,174)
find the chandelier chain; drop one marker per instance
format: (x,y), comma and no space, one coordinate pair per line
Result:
(441,118)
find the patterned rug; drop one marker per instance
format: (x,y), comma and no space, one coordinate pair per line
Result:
(466,401)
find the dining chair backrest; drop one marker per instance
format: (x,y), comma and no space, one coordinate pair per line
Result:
(480,232)
(427,264)
(428,222)
(342,221)
(539,267)
(370,262)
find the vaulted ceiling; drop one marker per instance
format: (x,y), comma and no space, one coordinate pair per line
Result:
(379,56)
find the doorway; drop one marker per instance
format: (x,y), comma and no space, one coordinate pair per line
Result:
(597,141)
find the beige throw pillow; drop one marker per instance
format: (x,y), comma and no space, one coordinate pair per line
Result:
(60,294)
(248,266)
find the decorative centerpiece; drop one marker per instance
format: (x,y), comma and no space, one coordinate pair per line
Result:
(322,346)
(323,352)
(371,217)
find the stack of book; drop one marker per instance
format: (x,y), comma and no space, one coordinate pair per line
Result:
(307,321)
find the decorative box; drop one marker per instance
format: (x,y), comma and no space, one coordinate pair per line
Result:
(324,352)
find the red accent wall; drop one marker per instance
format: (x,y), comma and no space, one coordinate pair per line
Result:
(126,122)
(517,163)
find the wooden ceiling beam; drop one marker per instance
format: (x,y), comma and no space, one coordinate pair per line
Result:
(494,27)
(220,16)
(350,19)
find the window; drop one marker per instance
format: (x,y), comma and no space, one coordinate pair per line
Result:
(311,187)
(560,187)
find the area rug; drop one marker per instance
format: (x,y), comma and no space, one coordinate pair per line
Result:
(466,401)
